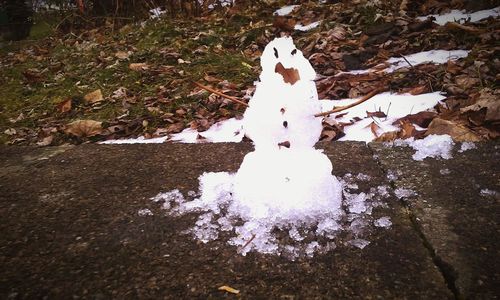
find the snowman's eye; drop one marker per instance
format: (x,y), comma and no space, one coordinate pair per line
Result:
(294,51)
(275,52)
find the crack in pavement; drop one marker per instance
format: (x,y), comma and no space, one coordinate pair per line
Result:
(449,274)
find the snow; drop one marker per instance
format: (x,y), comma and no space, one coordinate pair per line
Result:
(404,193)
(445,172)
(395,106)
(285,10)
(415,59)
(156,12)
(384,222)
(467,146)
(439,146)
(461,16)
(139,140)
(144,212)
(312,227)
(224,131)
(308,27)
(488,192)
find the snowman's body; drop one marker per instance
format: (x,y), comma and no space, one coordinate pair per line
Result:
(285,173)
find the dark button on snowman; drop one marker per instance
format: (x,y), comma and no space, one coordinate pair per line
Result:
(285,177)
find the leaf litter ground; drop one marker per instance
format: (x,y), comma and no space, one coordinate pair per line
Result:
(136,81)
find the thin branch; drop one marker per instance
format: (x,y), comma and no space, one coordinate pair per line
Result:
(341,108)
(406,60)
(234,99)
(248,242)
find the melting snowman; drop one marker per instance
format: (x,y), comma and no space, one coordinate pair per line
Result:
(285,179)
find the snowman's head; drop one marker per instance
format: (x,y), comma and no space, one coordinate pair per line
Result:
(282,59)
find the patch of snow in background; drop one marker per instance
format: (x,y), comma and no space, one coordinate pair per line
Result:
(431,146)
(156,12)
(467,146)
(432,56)
(415,59)
(308,27)
(285,10)
(395,106)
(461,16)
(224,131)
(139,140)
(281,232)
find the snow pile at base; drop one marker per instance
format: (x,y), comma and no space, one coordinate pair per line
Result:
(432,56)
(461,16)
(395,106)
(292,229)
(285,10)
(431,146)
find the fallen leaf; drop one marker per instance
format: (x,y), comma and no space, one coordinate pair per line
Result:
(94,96)
(122,55)
(377,114)
(487,100)
(290,75)
(64,106)
(374,127)
(10,131)
(422,119)
(285,144)
(84,128)
(46,141)
(228,289)
(175,128)
(138,67)
(458,132)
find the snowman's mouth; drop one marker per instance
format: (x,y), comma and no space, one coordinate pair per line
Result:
(290,75)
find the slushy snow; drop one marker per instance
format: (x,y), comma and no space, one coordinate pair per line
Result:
(285,10)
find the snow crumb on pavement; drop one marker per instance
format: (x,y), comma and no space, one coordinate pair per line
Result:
(384,222)
(438,146)
(488,192)
(144,212)
(467,146)
(461,16)
(404,193)
(285,10)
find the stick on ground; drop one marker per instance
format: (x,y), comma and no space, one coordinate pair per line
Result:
(234,99)
(341,108)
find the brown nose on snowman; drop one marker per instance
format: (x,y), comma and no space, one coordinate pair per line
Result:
(285,177)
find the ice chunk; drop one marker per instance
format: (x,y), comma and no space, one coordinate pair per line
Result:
(467,146)
(383,222)
(359,243)
(444,172)
(404,193)
(488,192)
(144,212)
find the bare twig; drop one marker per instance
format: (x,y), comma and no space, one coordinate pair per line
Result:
(341,108)
(234,99)
(248,242)
(406,60)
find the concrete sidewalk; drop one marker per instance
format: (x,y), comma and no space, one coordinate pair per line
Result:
(70,228)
